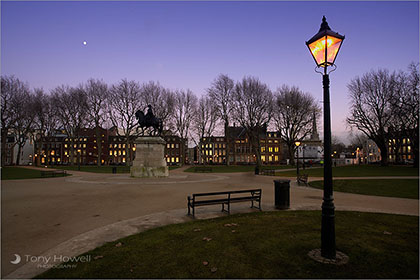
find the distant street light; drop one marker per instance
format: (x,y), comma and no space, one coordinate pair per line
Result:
(324,47)
(297,143)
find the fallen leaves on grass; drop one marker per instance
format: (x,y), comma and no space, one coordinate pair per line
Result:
(387,233)
(98,257)
(205,263)
(197,229)
(206,239)
(119,244)
(231,225)
(213,269)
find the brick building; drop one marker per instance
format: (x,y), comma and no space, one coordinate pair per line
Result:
(216,150)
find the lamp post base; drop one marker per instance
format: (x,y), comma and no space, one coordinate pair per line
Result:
(340,258)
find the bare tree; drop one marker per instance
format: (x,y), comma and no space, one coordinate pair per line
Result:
(405,111)
(72,112)
(22,108)
(370,110)
(185,107)
(337,146)
(161,99)
(45,119)
(221,94)
(205,119)
(11,89)
(97,93)
(252,108)
(293,116)
(124,101)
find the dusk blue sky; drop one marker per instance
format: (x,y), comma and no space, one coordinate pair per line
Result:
(187,44)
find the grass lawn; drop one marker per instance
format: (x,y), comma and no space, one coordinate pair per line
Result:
(357,171)
(405,188)
(263,245)
(236,168)
(98,169)
(12,173)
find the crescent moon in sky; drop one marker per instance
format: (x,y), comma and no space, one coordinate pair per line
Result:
(17,259)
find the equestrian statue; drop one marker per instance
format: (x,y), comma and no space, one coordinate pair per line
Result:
(149,120)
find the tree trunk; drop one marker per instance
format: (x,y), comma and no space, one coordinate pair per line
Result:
(72,151)
(18,154)
(39,149)
(291,152)
(227,142)
(3,146)
(384,155)
(127,152)
(99,145)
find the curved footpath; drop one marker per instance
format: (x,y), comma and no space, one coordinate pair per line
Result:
(68,216)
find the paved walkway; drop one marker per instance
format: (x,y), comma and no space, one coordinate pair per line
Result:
(71,215)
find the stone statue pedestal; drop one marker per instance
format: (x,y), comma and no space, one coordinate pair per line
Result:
(150,158)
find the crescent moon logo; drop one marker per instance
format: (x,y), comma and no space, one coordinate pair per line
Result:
(17,259)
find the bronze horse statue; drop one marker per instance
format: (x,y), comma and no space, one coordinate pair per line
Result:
(149,120)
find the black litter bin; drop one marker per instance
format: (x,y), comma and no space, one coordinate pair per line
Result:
(282,194)
(114,169)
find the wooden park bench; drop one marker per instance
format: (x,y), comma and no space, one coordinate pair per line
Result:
(268,172)
(228,197)
(53,173)
(203,169)
(302,179)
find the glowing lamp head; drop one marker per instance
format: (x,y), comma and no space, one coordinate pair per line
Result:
(297,143)
(324,45)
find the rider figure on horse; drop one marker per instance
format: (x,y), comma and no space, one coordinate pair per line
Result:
(149,115)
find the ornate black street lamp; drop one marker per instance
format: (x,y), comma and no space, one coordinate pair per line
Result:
(324,47)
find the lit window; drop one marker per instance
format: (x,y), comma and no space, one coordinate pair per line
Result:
(58,159)
(168,160)
(276,158)
(124,153)
(276,149)
(172,159)
(270,149)
(123,159)
(177,159)
(123,146)
(84,145)
(262,158)
(173,146)
(65,145)
(270,158)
